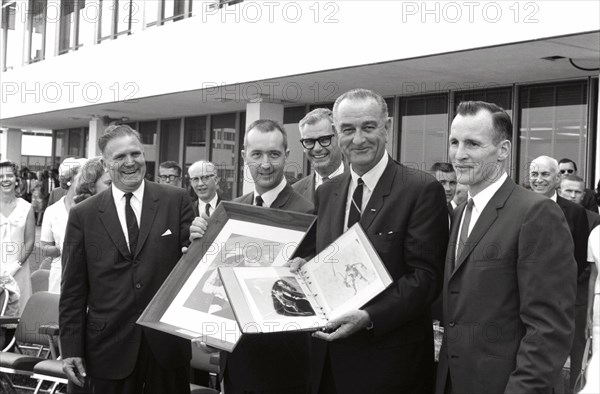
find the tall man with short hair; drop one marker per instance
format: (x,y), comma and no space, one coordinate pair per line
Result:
(169,173)
(510,280)
(568,167)
(277,362)
(120,245)
(387,346)
(205,182)
(320,143)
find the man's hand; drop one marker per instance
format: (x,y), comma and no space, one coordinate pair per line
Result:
(296,263)
(198,227)
(344,326)
(73,367)
(205,348)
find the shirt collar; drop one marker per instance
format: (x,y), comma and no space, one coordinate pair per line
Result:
(553,198)
(338,171)
(270,196)
(483,197)
(213,202)
(371,177)
(137,193)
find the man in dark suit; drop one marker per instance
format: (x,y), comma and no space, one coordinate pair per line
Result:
(572,188)
(204,181)
(278,362)
(509,287)
(568,167)
(544,177)
(387,346)
(319,140)
(120,245)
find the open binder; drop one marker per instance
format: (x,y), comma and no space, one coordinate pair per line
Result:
(343,277)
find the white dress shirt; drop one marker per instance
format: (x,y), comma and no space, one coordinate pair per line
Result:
(136,205)
(319,178)
(213,205)
(479,202)
(270,196)
(370,179)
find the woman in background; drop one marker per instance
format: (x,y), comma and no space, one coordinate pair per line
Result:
(54,224)
(17,231)
(93,179)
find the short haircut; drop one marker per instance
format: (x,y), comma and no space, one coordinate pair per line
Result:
(267,126)
(170,164)
(201,164)
(315,116)
(116,131)
(11,164)
(362,94)
(500,119)
(89,173)
(573,178)
(565,160)
(443,167)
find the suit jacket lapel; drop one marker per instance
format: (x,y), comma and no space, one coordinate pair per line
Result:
(282,197)
(338,202)
(487,217)
(382,189)
(149,207)
(110,220)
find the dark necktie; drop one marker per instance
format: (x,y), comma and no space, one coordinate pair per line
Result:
(464,230)
(259,201)
(133,230)
(207,209)
(356,204)
(325,179)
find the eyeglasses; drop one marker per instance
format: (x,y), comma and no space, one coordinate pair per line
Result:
(324,141)
(203,178)
(169,178)
(569,171)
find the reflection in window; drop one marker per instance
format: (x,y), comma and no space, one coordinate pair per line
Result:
(501,97)
(115,18)
(70,16)
(553,123)
(223,152)
(37,29)
(194,141)
(10,43)
(423,128)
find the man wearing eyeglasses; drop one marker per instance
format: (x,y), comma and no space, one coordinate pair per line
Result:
(204,181)
(169,173)
(568,167)
(321,147)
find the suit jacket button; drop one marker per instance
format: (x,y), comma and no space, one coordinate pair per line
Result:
(451,324)
(138,285)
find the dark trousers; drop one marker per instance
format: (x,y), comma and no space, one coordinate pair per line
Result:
(148,377)
(327,385)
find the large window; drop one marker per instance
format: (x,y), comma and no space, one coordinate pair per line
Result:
(224,151)
(170,130)
(423,130)
(70,143)
(553,122)
(116,18)
(195,140)
(37,30)
(71,13)
(147,132)
(500,96)
(158,12)
(10,37)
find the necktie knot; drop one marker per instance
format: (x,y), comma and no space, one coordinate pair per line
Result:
(259,201)
(325,178)
(128,197)
(207,209)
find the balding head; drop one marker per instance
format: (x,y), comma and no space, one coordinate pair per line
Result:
(544,177)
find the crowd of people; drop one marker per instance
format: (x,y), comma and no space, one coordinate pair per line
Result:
(506,272)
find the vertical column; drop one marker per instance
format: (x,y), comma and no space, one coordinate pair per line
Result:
(255,111)
(13,145)
(96,128)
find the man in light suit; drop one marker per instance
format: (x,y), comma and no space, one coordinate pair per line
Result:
(204,181)
(320,144)
(120,245)
(544,177)
(277,362)
(387,346)
(510,281)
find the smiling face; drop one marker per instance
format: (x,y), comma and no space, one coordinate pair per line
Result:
(362,132)
(544,177)
(475,157)
(265,157)
(325,160)
(8,180)
(124,160)
(204,181)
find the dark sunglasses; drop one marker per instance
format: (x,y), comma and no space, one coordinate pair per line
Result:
(324,141)
(569,171)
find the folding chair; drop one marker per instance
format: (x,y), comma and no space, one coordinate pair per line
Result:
(41,309)
(205,362)
(45,264)
(39,280)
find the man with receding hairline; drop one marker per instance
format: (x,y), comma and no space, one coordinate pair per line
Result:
(510,278)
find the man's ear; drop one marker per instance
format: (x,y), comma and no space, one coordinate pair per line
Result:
(505,149)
